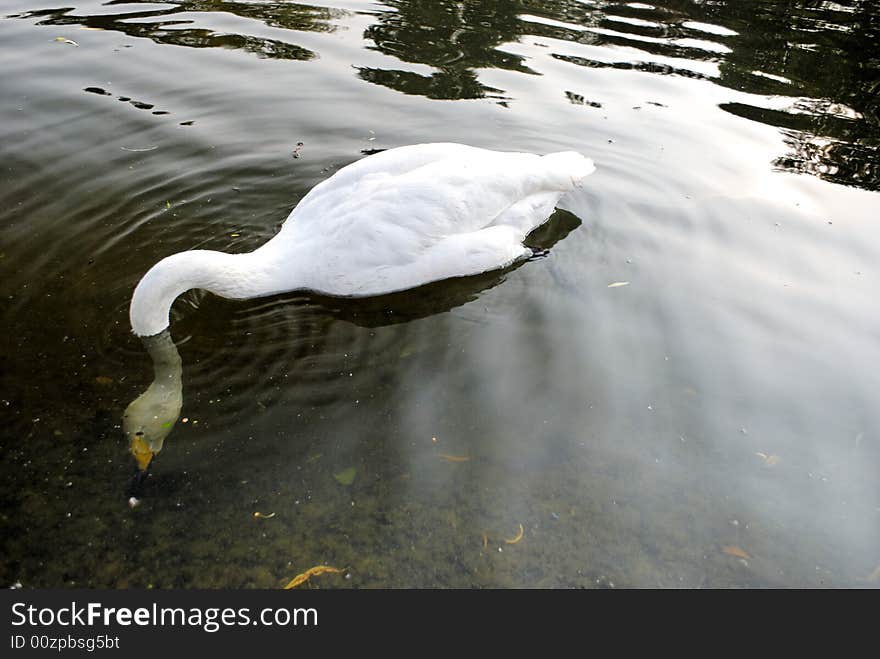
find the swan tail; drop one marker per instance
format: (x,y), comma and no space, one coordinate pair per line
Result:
(571,164)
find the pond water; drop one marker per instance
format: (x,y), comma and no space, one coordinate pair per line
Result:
(712,423)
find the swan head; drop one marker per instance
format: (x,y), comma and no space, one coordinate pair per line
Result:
(149,419)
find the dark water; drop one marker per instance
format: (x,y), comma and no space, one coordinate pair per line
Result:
(713,423)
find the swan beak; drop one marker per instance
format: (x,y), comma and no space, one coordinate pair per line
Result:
(140,449)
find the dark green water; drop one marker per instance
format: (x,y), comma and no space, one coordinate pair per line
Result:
(714,423)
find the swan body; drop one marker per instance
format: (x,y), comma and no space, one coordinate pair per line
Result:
(395,220)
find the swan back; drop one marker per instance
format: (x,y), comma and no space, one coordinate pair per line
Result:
(417,214)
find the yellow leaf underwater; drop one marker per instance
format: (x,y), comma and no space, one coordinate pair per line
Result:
(454,458)
(731,550)
(617,284)
(260,515)
(517,537)
(308,574)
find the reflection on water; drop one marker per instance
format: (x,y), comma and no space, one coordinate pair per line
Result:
(179,23)
(771,51)
(457,38)
(800,65)
(682,394)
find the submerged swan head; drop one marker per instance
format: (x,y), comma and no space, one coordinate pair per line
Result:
(150,417)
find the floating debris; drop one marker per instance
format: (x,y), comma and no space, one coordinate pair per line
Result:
(618,284)
(134,502)
(308,574)
(732,550)
(517,537)
(149,148)
(260,515)
(299,145)
(454,458)
(346,476)
(66,40)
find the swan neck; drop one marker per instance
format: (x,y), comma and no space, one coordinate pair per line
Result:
(167,365)
(150,417)
(227,275)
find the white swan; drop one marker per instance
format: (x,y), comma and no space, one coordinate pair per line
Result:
(395,220)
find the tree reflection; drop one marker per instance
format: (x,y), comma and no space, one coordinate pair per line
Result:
(821,57)
(812,67)
(827,57)
(455,37)
(173,25)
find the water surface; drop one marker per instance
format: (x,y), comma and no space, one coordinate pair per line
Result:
(713,423)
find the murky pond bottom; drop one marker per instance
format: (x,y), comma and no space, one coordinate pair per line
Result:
(682,394)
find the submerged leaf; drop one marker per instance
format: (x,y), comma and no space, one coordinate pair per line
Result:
(517,537)
(346,476)
(616,284)
(454,458)
(732,550)
(260,515)
(308,574)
